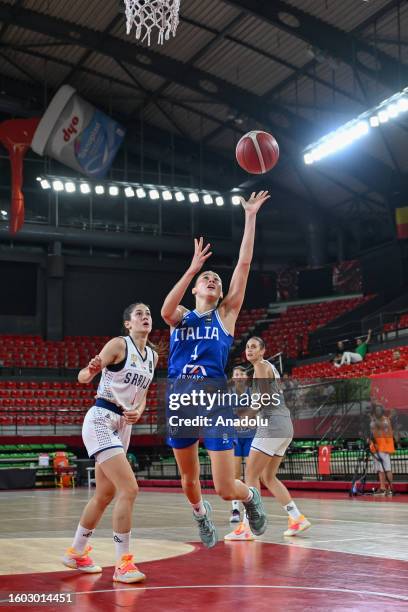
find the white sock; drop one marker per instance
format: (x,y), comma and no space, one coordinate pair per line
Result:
(81,538)
(199,508)
(235,505)
(292,509)
(250,496)
(122,544)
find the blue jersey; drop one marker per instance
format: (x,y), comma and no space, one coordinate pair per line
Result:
(199,346)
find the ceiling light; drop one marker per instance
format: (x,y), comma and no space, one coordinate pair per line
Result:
(140,192)
(208,199)
(129,192)
(154,194)
(70,187)
(193,197)
(113,190)
(383,116)
(99,189)
(374,121)
(45,184)
(57,185)
(236,200)
(219,200)
(393,110)
(167,195)
(85,188)
(402,105)
(179,195)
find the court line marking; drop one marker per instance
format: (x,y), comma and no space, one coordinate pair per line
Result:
(246,586)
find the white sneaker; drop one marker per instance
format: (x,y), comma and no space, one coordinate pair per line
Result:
(241,533)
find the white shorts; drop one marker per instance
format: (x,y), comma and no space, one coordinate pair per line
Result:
(104,430)
(386,462)
(271,446)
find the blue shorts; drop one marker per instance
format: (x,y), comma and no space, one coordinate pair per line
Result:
(213,444)
(242,446)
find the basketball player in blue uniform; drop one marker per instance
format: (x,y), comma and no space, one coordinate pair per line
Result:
(199,345)
(127,366)
(242,443)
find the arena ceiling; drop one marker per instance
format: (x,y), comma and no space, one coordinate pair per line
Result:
(296,68)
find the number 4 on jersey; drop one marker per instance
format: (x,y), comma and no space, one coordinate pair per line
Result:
(194,355)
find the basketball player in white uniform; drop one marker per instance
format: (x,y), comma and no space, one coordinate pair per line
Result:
(272,440)
(127,364)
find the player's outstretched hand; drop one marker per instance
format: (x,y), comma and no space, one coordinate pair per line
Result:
(255,202)
(201,254)
(95,365)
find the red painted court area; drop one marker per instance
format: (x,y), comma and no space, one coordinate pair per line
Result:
(246,575)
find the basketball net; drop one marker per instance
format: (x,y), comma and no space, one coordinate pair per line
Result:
(16,135)
(145,15)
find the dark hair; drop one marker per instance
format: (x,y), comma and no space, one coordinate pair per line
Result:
(240,368)
(259,340)
(127,314)
(206,272)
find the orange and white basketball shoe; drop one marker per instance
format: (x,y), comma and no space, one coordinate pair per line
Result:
(242,533)
(80,561)
(126,571)
(296,526)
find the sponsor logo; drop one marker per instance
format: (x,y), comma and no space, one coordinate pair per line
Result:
(71,129)
(87,535)
(116,539)
(193,370)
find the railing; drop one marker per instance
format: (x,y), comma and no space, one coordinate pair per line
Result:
(18,421)
(295,466)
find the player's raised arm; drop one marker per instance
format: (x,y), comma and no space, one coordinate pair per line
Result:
(112,352)
(232,303)
(172,312)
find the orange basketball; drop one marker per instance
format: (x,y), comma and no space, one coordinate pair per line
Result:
(257,152)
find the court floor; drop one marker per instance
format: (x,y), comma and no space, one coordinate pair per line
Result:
(353,558)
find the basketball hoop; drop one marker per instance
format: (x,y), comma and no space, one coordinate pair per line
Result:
(146,15)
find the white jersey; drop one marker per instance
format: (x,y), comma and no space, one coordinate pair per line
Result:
(125,383)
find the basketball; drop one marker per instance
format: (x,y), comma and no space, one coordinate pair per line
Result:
(257,152)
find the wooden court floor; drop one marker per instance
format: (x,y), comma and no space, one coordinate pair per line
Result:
(353,558)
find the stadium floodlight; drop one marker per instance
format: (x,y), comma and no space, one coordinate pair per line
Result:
(99,189)
(70,187)
(208,199)
(154,194)
(179,195)
(85,188)
(45,184)
(385,111)
(236,200)
(193,197)
(129,192)
(4,213)
(402,104)
(140,192)
(383,116)
(393,111)
(167,195)
(219,200)
(58,185)
(113,190)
